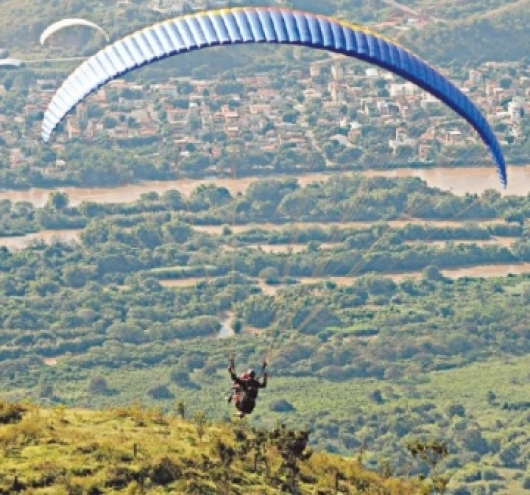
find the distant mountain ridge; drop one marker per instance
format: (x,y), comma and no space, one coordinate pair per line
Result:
(501,34)
(476,31)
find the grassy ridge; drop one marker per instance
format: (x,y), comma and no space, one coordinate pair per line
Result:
(135,450)
(325,406)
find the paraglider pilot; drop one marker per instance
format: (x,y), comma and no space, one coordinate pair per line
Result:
(245,389)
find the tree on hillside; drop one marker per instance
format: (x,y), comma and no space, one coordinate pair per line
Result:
(46,390)
(432,454)
(98,386)
(432,272)
(160,392)
(226,455)
(57,201)
(201,421)
(181,409)
(292,447)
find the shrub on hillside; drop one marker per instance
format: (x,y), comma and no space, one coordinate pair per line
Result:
(281,406)
(11,413)
(160,392)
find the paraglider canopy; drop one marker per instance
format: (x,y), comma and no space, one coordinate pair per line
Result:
(64,23)
(261,25)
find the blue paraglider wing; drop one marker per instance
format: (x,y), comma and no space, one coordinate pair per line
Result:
(261,25)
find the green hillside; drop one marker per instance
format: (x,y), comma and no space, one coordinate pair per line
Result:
(133,450)
(498,35)
(466,32)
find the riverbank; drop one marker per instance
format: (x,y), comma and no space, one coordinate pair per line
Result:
(460,181)
(484,271)
(72,235)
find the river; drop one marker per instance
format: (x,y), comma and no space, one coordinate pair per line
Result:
(23,241)
(458,180)
(290,226)
(500,270)
(486,271)
(466,179)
